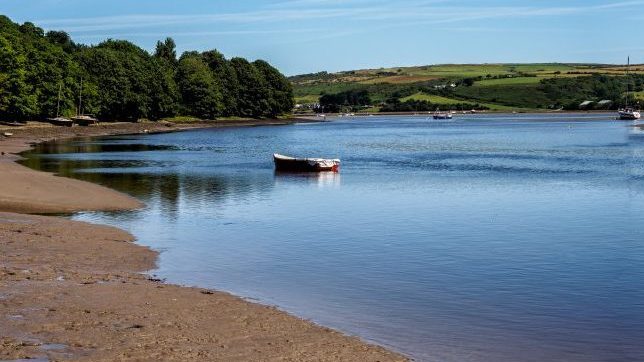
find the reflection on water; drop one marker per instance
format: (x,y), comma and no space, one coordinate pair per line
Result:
(489,238)
(321,179)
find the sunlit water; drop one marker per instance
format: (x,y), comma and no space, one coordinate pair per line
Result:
(488,238)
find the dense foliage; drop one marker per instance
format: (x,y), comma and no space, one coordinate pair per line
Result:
(413,105)
(549,93)
(352,99)
(120,81)
(554,93)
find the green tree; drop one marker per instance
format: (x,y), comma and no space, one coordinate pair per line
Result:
(126,77)
(200,92)
(121,81)
(17,102)
(166,50)
(280,90)
(253,95)
(227,77)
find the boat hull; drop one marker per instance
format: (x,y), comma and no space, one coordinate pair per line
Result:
(289,164)
(59,121)
(629,116)
(84,120)
(11,124)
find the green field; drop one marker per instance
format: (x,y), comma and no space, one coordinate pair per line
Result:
(504,81)
(497,86)
(309,98)
(436,99)
(639,95)
(431,98)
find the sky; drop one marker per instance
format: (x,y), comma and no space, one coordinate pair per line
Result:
(303,36)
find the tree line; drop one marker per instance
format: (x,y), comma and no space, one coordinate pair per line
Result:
(121,81)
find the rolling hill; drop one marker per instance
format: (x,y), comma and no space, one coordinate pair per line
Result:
(483,86)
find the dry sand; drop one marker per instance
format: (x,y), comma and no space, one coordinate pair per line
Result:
(75,291)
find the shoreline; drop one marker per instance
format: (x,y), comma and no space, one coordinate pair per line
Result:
(76,291)
(457,113)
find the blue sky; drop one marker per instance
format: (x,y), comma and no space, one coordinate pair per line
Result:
(301,36)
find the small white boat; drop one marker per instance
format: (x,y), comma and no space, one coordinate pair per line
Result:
(629,114)
(61,121)
(442,115)
(7,134)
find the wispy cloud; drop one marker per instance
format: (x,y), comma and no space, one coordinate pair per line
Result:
(400,13)
(163,33)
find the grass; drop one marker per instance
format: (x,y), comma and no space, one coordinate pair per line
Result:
(504,81)
(512,95)
(309,98)
(445,100)
(182,119)
(639,95)
(475,70)
(511,91)
(431,98)
(398,79)
(318,88)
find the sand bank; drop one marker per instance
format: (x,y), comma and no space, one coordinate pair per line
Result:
(75,291)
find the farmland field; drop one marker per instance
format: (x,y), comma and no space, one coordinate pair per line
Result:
(497,86)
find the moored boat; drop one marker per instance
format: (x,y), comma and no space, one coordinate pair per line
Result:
(84,120)
(80,118)
(442,115)
(60,121)
(628,113)
(12,124)
(292,164)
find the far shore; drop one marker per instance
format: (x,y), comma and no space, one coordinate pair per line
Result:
(75,291)
(457,113)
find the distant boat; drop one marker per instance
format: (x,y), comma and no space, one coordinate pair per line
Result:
(80,118)
(61,121)
(285,163)
(628,113)
(84,120)
(58,120)
(12,124)
(442,115)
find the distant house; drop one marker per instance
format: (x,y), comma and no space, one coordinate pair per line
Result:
(585,104)
(606,103)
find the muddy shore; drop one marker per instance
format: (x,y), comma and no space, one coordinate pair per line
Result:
(76,291)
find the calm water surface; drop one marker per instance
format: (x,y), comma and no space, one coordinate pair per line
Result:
(489,238)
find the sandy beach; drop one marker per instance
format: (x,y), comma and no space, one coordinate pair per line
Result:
(76,291)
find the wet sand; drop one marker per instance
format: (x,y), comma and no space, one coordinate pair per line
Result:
(75,291)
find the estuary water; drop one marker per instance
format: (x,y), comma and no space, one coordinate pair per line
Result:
(485,238)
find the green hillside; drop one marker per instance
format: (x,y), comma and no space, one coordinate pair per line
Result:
(482,86)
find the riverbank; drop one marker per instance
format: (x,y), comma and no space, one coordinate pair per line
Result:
(74,291)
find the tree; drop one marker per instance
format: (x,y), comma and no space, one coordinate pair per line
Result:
(17,102)
(225,73)
(128,77)
(61,39)
(253,95)
(121,81)
(200,93)
(280,91)
(166,50)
